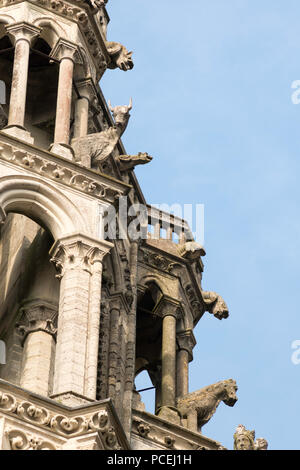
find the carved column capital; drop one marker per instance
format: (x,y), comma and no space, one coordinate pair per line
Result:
(186,341)
(87,89)
(78,252)
(168,307)
(38,315)
(64,49)
(24,31)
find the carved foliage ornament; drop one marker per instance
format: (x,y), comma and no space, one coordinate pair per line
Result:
(58,423)
(56,172)
(20,440)
(156,260)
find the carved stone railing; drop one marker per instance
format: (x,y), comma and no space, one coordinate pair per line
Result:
(60,170)
(169,223)
(151,432)
(31,422)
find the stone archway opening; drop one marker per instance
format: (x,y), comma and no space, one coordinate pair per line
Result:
(29,297)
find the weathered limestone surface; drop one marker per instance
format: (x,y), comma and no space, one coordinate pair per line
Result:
(85,309)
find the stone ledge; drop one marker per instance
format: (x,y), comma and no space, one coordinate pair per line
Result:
(157,432)
(59,169)
(95,423)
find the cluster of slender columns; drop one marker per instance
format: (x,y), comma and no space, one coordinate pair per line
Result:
(76,360)
(68,54)
(74,326)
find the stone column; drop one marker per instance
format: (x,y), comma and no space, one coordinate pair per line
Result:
(114,347)
(168,310)
(38,327)
(22,35)
(157,228)
(87,93)
(68,54)
(79,260)
(186,342)
(95,258)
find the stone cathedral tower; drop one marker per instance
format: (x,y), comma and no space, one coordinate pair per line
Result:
(85,305)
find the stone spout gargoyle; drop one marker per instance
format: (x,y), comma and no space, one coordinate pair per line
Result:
(119,55)
(128,162)
(197,408)
(215,304)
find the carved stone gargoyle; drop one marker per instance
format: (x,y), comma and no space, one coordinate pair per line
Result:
(93,149)
(245,440)
(191,251)
(128,162)
(215,304)
(197,408)
(119,55)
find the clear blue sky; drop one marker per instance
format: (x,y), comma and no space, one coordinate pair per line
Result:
(211,89)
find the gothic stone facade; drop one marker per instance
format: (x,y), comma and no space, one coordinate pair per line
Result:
(82,313)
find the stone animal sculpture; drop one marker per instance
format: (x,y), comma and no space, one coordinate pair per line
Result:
(119,55)
(191,251)
(197,408)
(215,305)
(94,149)
(128,162)
(245,440)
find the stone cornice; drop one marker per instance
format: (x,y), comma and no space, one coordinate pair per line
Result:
(59,169)
(59,420)
(155,430)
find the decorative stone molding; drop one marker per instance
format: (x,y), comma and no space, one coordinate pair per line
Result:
(24,31)
(57,170)
(175,438)
(31,413)
(155,260)
(22,441)
(68,424)
(38,316)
